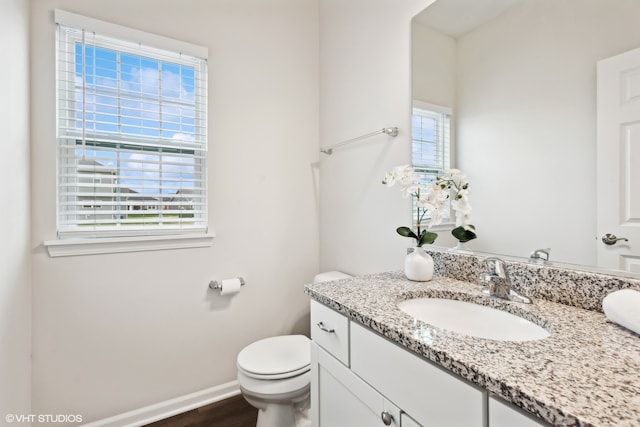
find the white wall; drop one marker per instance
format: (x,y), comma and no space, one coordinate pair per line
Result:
(15,281)
(434,66)
(527,122)
(365,85)
(113,333)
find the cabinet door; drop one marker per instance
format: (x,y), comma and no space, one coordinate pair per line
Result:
(433,396)
(502,414)
(341,399)
(407,421)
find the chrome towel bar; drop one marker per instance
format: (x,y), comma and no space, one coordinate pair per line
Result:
(391,131)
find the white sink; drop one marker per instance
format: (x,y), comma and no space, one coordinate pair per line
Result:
(473,319)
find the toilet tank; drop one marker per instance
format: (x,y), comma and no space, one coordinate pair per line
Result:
(330,275)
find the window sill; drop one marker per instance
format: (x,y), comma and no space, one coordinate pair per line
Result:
(111,245)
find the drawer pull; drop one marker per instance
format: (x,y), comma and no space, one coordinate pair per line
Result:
(387,418)
(324,328)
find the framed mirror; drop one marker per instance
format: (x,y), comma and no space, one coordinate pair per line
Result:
(521,79)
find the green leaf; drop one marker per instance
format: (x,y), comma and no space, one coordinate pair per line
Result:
(406,232)
(464,233)
(427,238)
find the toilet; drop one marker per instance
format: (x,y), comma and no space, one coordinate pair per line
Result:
(274,375)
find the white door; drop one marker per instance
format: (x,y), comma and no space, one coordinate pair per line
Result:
(618,160)
(341,399)
(502,414)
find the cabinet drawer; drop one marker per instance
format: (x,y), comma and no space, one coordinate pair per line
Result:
(431,395)
(330,330)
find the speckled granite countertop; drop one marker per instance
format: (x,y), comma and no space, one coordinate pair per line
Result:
(587,373)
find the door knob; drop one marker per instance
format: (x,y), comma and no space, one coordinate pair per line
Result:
(611,239)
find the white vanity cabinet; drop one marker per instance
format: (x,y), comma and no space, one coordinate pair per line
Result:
(330,330)
(359,377)
(432,396)
(338,396)
(502,414)
(341,399)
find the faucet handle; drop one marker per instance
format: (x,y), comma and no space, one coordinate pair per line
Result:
(497,266)
(540,254)
(498,283)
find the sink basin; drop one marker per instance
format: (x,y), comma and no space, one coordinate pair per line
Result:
(473,319)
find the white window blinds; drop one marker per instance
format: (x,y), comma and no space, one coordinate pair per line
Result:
(131,134)
(430,142)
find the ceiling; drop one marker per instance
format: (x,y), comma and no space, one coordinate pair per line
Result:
(457,17)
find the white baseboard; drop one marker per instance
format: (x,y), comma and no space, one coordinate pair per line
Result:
(169,408)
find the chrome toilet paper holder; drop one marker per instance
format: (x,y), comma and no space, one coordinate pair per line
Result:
(217,284)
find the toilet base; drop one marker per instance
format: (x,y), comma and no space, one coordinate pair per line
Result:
(276,414)
(282,414)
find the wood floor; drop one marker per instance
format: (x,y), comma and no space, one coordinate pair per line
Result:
(232,412)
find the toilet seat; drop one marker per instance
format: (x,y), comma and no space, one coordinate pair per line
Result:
(281,390)
(276,357)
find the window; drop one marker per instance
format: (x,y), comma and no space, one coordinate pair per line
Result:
(131,132)
(430,142)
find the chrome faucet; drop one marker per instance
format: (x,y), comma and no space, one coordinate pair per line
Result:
(498,282)
(540,254)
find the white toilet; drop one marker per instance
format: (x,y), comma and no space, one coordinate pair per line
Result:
(274,376)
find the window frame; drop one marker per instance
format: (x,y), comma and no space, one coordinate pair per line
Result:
(448,151)
(150,238)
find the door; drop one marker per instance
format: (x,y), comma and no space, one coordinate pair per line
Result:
(618,161)
(341,399)
(502,414)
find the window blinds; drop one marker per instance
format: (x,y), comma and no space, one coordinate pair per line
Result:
(430,143)
(131,137)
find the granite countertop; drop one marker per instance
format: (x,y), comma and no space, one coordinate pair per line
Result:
(587,373)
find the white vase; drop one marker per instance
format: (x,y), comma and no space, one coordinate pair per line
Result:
(418,265)
(461,248)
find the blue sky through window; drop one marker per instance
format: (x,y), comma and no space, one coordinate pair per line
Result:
(137,101)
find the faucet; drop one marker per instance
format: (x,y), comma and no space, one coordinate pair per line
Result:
(540,254)
(499,283)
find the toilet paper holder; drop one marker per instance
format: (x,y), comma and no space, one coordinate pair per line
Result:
(217,284)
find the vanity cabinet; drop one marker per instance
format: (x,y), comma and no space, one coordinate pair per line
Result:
(431,395)
(502,414)
(343,399)
(330,330)
(358,376)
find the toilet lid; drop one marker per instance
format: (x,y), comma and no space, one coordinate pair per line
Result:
(276,357)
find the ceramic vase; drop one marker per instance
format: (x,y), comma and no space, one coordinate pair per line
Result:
(461,248)
(418,265)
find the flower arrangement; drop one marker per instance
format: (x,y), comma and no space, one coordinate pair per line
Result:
(432,198)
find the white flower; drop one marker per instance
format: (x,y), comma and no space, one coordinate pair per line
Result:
(456,182)
(388,180)
(463,212)
(433,197)
(436,217)
(456,177)
(410,190)
(404,175)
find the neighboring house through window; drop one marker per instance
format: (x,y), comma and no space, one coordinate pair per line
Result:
(132,131)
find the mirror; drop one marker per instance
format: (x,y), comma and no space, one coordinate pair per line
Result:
(520,76)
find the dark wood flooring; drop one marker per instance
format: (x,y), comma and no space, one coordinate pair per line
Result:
(231,412)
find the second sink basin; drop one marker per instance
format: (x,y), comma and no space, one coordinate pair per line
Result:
(473,319)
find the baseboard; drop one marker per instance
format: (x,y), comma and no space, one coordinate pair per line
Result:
(169,408)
